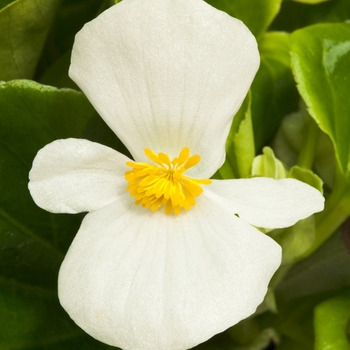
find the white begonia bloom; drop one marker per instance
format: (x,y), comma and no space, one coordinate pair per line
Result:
(166,76)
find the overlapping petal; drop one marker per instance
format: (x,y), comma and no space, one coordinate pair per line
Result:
(141,280)
(73,175)
(166,75)
(266,202)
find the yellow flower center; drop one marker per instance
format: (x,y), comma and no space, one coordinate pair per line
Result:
(163,183)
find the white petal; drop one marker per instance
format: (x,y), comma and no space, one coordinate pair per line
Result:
(266,202)
(167,74)
(145,281)
(72,176)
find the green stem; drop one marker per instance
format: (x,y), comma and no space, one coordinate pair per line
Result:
(337,210)
(309,143)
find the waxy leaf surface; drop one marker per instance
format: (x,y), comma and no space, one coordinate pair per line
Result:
(24,26)
(320,62)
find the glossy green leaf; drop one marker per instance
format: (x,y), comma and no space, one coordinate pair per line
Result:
(32,241)
(26,24)
(273,90)
(240,150)
(331,319)
(255,14)
(320,62)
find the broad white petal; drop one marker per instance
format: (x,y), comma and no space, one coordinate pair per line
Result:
(266,202)
(167,74)
(147,281)
(72,176)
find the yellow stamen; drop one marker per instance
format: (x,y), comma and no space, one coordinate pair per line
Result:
(163,183)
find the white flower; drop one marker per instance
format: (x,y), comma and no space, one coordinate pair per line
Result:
(166,76)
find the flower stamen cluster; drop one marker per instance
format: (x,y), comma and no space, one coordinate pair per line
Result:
(163,183)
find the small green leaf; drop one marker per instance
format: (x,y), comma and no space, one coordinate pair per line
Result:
(255,14)
(26,24)
(330,322)
(320,62)
(273,90)
(307,176)
(268,165)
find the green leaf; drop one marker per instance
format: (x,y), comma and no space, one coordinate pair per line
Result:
(70,17)
(57,74)
(288,142)
(331,319)
(273,90)
(311,2)
(296,240)
(320,62)
(255,14)
(294,15)
(32,241)
(4,3)
(240,150)
(307,176)
(268,165)
(26,24)
(325,271)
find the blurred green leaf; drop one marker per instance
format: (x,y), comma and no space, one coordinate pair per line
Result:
(293,324)
(331,319)
(296,240)
(4,3)
(288,142)
(33,242)
(57,74)
(255,14)
(307,176)
(240,150)
(327,270)
(273,90)
(311,2)
(320,62)
(245,331)
(70,17)
(294,15)
(24,26)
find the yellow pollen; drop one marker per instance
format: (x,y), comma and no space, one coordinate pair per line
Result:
(163,183)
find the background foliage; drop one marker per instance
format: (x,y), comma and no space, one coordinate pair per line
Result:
(295,122)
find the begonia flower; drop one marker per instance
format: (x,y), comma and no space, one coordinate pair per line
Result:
(165,257)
